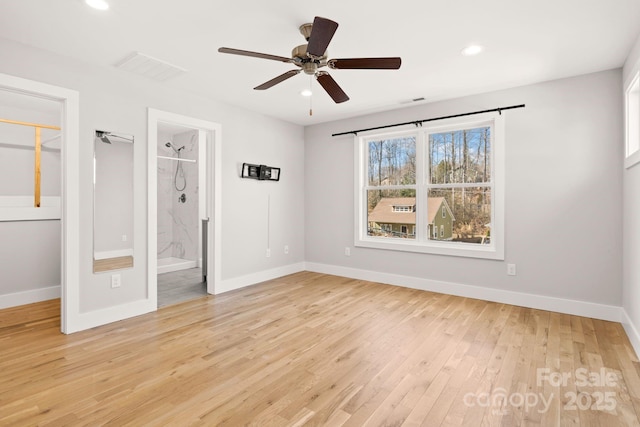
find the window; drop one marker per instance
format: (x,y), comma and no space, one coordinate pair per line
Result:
(402,209)
(454,168)
(632,122)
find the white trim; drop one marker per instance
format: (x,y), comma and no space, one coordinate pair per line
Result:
(29,297)
(113,254)
(261,276)
(112,314)
(423,243)
(631,330)
(632,158)
(214,199)
(578,308)
(70,189)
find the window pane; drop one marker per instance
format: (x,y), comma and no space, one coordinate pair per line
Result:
(392,161)
(391,213)
(460,156)
(468,214)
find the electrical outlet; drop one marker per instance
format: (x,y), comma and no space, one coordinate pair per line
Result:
(268,253)
(116,280)
(347,251)
(286,249)
(124,237)
(511,269)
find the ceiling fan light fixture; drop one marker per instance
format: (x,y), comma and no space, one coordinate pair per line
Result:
(306,92)
(472,50)
(97,4)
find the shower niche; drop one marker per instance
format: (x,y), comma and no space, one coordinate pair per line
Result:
(180,199)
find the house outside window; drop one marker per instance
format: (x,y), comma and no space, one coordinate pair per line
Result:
(445,181)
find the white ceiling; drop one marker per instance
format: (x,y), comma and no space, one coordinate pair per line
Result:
(526,41)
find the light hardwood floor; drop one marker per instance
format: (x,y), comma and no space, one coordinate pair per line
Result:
(313,349)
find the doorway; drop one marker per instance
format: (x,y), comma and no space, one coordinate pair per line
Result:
(184,208)
(67,106)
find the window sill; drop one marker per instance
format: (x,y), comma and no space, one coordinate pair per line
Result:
(447,248)
(632,160)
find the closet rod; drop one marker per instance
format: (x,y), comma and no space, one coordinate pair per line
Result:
(33,125)
(38,148)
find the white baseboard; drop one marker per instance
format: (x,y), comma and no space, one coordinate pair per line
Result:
(261,276)
(112,314)
(631,331)
(560,305)
(29,297)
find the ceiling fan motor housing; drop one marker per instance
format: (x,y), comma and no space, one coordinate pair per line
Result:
(308,64)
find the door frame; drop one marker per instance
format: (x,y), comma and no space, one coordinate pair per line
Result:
(69,190)
(213,198)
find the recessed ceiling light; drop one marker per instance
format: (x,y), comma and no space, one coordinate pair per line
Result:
(98,4)
(306,92)
(471,50)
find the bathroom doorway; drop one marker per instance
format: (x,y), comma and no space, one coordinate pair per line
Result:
(184,252)
(181,208)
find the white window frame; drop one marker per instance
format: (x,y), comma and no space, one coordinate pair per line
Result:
(632,119)
(422,243)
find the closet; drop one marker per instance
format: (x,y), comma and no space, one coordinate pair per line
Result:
(30,191)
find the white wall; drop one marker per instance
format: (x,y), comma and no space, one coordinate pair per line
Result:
(563,197)
(114,99)
(631,228)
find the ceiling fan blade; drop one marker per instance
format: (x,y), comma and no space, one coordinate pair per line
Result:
(365,63)
(321,34)
(279,79)
(253,54)
(332,88)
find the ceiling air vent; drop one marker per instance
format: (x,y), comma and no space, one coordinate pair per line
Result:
(150,67)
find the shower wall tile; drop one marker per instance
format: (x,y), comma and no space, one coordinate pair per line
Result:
(186,236)
(165,196)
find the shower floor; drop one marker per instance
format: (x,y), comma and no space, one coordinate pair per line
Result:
(167,265)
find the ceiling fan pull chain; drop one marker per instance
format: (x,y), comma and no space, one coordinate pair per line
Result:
(310,96)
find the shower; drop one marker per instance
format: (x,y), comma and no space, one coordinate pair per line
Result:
(179,170)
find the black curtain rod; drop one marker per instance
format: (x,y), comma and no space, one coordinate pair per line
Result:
(419,122)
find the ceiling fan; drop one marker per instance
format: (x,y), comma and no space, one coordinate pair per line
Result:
(312,56)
